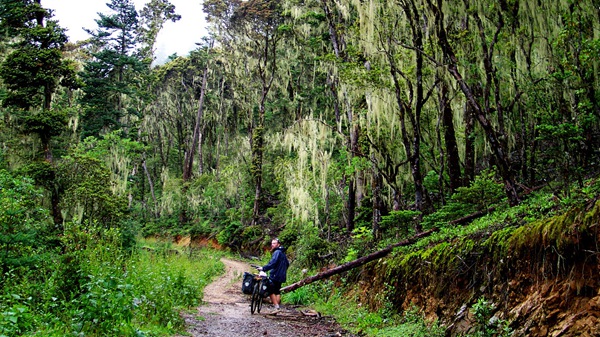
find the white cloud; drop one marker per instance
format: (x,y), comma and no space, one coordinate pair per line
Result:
(176,37)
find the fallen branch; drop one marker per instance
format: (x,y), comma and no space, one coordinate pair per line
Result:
(467,219)
(356,263)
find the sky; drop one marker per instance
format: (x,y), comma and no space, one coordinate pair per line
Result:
(176,37)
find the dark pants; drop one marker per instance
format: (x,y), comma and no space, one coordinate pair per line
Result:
(275,287)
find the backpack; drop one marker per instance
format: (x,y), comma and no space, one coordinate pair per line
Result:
(247,283)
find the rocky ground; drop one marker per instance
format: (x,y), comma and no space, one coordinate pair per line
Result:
(225,312)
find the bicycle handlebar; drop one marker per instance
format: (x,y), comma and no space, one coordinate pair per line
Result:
(254,266)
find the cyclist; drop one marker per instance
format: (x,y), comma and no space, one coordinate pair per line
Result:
(278,271)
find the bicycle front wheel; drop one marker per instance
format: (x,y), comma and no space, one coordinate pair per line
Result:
(260,300)
(256,300)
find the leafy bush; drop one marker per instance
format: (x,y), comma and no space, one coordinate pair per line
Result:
(301,296)
(484,192)
(98,288)
(310,246)
(21,220)
(399,222)
(230,234)
(362,239)
(15,316)
(487,324)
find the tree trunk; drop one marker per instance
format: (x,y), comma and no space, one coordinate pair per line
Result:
(356,263)
(200,154)
(354,183)
(257,163)
(497,146)
(56,211)
(377,203)
(351,206)
(189,153)
(452,156)
(151,184)
(267,74)
(469,173)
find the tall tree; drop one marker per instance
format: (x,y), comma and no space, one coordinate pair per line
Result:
(255,27)
(111,76)
(483,110)
(152,19)
(32,72)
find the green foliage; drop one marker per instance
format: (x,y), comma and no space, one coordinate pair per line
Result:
(99,289)
(111,76)
(482,193)
(310,246)
(413,324)
(362,238)
(46,123)
(152,18)
(15,315)
(88,195)
(21,221)
(301,296)
(230,233)
(34,67)
(357,318)
(399,222)
(558,231)
(487,324)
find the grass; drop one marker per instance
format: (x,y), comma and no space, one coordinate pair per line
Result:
(97,289)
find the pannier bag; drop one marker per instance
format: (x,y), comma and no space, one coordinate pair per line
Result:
(247,283)
(265,289)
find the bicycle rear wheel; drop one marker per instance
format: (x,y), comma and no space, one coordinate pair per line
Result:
(256,300)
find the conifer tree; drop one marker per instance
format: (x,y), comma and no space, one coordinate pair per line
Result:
(32,72)
(111,76)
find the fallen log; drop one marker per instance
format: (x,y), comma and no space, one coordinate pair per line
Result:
(356,263)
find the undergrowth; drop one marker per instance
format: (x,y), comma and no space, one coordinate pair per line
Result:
(331,300)
(369,305)
(98,289)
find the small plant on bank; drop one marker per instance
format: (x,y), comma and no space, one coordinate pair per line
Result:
(413,324)
(488,325)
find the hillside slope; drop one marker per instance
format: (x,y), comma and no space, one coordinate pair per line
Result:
(542,277)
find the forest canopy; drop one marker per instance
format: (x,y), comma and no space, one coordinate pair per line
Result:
(300,118)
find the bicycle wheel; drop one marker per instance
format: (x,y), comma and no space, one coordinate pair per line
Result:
(260,300)
(254,303)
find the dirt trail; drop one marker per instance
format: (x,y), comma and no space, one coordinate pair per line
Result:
(226,313)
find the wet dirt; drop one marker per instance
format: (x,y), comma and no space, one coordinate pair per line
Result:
(225,312)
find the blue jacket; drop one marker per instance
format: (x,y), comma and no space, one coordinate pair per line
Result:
(278,265)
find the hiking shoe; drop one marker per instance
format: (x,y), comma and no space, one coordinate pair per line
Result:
(271,311)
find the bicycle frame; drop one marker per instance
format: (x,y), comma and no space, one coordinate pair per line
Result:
(257,299)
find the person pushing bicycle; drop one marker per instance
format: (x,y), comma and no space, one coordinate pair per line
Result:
(277,266)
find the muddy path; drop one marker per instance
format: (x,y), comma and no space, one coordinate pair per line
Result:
(225,312)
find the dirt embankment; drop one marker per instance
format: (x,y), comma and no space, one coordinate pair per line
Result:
(226,313)
(541,278)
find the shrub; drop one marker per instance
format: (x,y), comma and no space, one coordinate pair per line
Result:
(484,192)
(487,324)
(310,246)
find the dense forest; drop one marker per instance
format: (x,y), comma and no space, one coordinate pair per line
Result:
(338,126)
